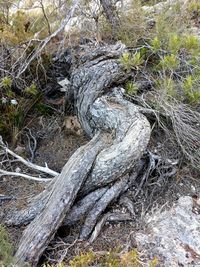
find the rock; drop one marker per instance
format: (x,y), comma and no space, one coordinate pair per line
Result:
(173,235)
(159,7)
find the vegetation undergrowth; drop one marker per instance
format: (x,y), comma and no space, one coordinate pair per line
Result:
(6,249)
(107,259)
(170,58)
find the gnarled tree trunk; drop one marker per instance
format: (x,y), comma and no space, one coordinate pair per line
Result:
(99,172)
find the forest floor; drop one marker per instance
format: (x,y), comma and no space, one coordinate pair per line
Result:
(54,147)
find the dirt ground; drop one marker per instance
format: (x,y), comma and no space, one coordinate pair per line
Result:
(55,146)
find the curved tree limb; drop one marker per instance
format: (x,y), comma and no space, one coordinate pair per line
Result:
(105,162)
(36,236)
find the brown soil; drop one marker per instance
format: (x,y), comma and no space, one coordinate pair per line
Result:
(55,146)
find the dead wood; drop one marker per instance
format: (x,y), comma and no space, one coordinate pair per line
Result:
(101,205)
(83,206)
(98,173)
(108,217)
(38,234)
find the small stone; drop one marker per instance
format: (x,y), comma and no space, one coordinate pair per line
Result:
(14,102)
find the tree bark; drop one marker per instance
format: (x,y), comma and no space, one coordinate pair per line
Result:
(39,233)
(98,173)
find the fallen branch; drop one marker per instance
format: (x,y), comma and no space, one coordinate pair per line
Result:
(7,173)
(28,163)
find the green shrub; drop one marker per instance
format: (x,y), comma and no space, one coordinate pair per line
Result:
(130,62)
(166,88)
(174,43)
(192,44)
(191,89)
(108,259)
(6,82)
(194,8)
(155,44)
(6,249)
(131,88)
(83,260)
(32,89)
(169,62)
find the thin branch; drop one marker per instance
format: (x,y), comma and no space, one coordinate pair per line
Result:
(45,16)
(7,173)
(31,165)
(43,44)
(28,163)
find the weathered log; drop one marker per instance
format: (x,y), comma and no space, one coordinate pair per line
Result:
(97,71)
(38,234)
(106,162)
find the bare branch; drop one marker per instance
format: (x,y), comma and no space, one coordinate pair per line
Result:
(27,163)
(43,44)
(7,173)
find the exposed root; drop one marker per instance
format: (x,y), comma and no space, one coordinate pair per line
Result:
(109,217)
(5,198)
(113,193)
(32,143)
(83,206)
(38,234)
